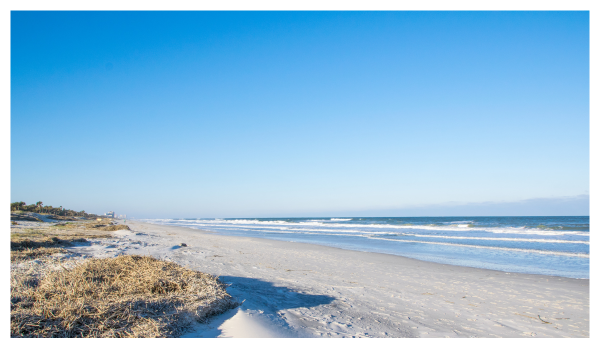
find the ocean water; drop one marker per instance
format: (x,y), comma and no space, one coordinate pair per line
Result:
(557,246)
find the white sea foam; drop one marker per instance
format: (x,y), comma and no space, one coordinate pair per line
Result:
(507,239)
(543,252)
(224,227)
(461,226)
(342,231)
(535,251)
(341,219)
(381,233)
(525,231)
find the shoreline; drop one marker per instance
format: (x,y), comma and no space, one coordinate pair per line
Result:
(435,260)
(299,289)
(510,244)
(214,233)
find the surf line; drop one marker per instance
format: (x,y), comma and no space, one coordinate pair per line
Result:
(508,239)
(543,252)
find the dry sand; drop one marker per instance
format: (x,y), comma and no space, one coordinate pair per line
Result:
(303,290)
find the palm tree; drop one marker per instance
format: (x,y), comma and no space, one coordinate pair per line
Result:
(39,204)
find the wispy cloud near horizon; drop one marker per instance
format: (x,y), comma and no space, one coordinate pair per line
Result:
(578,205)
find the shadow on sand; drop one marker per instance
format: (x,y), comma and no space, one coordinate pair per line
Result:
(258,316)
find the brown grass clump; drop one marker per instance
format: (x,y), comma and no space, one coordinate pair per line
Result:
(114,227)
(36,244)
(63,218)
(19,217)
(25,247)
(31,253)
(136,296)
(104,226)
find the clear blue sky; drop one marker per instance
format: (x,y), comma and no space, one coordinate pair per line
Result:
(233,114)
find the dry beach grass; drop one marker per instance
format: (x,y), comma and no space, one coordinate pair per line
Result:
(128,295)
(94,225)
(31,244)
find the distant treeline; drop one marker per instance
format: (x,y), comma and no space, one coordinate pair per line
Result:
(39,207)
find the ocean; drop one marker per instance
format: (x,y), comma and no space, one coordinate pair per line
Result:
(557,246)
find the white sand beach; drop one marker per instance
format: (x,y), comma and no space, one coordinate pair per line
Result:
(304,290)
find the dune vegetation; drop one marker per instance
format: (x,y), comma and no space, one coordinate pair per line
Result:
(55,293)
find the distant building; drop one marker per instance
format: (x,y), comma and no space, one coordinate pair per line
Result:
(110,214)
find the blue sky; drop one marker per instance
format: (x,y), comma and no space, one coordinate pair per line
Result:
(249,114)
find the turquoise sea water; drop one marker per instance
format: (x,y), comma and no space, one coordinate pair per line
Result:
(557,246)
